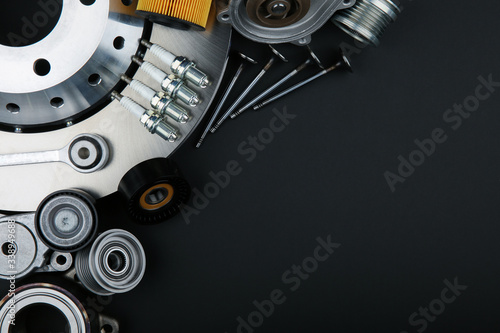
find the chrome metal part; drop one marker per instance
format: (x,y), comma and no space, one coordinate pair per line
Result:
(238,13)
(343,63)
(179,65)
(66,221)
(29,252)
(159,101)
(26,298)
(41,87)
(367,20)
(275,86)
(246,92)
(152,121)
(125,138)
(86,153)
(172,85)
(225,96)
(115,263)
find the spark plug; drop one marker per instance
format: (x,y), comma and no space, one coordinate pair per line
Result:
(180,66)
(172,85)
(159,101)
(151,120)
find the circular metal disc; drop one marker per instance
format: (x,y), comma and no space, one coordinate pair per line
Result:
(24,187)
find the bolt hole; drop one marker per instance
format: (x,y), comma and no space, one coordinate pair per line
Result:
(94,80)
(57,102)
(119,43)
(127,2)
(61,260)
(87,2)
(41,67)
(84,153)
(13,108)
(9,248)
(347,2)
(107,329)
(225,17)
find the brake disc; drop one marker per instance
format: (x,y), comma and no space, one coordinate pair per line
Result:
(56,87)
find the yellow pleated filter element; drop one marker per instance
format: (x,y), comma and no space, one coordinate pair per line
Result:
(183,13)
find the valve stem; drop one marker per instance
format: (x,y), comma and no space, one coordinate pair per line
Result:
(180,66)
(159,101)
(151,120)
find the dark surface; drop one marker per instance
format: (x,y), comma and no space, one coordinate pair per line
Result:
(324,175)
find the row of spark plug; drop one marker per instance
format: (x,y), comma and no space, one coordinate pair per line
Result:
(174,88)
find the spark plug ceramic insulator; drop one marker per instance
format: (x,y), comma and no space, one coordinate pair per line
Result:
(152,121)
(159,101)
(172,85)
(180,66)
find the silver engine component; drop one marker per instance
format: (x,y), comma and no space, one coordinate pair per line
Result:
(86,153)
(57,80)
(23,253)
(279,21)
(74,318)
(367,20)
(115,263)
(66,221)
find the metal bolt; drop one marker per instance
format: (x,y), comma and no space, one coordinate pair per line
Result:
(172,85)
(264,70)
(342,63)
(151,120)
(225,96)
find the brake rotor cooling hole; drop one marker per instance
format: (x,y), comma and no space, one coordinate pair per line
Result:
(119,43)
(57,102)
(87,2)
(117,261)
(61,260)
(94,79)
(9,248)
(84,153)
(13,108)
(41,67)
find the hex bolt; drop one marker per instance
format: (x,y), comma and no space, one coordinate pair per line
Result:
(159,101)
(152,121)
(180,66)
(343,63)
(275,86)
(172,85)
(226,95)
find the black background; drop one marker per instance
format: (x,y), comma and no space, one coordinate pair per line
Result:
(324,175)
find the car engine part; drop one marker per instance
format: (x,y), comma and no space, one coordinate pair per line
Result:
(279,21)
(176,13)
(152,121)
(67,220)
(367,20)
(114,263)
(159,101)
(180,66)
(68,74)
(41,300)
(172,85)
(343,63)
(86,153)
(154,191)
(23,251)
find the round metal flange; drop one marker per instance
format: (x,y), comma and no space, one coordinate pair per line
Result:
(59,79)
(23,187)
